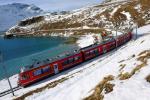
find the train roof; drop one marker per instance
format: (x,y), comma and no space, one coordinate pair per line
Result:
(38,63)
(97,44)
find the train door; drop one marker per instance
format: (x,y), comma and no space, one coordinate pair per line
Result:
(56,68)
(104,49)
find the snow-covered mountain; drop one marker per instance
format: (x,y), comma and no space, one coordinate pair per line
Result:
(11,14)
(101,17)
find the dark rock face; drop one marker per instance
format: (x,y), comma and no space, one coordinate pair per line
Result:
(31,21)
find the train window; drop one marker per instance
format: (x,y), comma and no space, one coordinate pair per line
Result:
(96,51)
(25,77)
(65,62)
(37,72)
(46,69)
(87,53)
(71,60)
(92,52)
(77,58)
(112,46)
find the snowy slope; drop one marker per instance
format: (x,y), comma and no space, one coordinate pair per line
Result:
(11,14)
(98,18)
(82,80)
(93,16)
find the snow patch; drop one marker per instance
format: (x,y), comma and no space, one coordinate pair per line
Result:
(85,41)
(128,15)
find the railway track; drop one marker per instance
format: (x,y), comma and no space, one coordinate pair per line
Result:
(9,91)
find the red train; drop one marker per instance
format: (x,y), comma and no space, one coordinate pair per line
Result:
(40,70)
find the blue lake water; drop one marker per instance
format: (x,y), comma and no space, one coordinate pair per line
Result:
(19,52)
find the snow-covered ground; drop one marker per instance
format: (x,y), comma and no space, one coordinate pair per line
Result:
(85,41)
(4,83)
(83,78)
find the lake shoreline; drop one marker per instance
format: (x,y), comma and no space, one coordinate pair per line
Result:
(30,48)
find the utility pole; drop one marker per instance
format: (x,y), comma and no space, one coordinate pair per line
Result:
(5,71)
(136,30)
(116,32)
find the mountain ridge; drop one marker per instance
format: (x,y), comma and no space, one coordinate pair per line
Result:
(12,13)
(116,14)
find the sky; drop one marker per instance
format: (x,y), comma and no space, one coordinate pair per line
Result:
(54,5)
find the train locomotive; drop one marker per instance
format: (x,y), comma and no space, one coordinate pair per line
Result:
(43,69)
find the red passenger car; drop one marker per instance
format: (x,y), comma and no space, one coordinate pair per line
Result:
(40,70)
(123,38)
(98,49)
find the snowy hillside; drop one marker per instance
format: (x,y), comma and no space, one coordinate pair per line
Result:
(11,14)
(122,74)
(120,14)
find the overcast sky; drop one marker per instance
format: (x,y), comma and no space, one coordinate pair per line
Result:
(54,5)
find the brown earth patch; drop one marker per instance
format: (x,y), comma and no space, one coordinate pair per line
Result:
(122,66)
(143,57)
(104,85)
(50,85)
(145,4)
(148,78)
(121,61)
